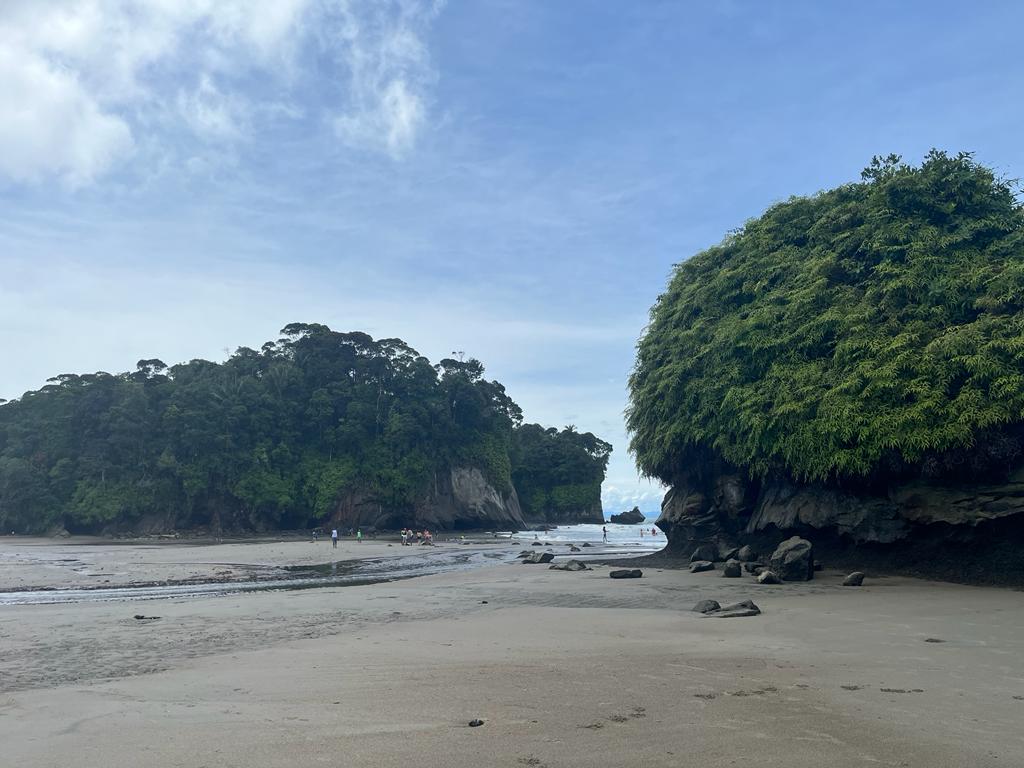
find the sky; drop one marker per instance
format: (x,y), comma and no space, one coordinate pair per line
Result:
(514,180)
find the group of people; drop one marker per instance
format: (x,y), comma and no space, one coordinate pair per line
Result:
(422,537)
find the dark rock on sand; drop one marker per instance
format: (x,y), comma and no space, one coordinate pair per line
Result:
(574,548)
(626,573)
(706,606)
(586,544)
(855,579)
(732,569)
(752,567)
(793,560)
(768,577)
(736,610)
(569,565)
(699,566)
(536,544)
(538,557)
(476,723)
(746,554)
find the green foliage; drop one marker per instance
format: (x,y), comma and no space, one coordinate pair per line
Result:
(268,439)
(868,327)
(558,474)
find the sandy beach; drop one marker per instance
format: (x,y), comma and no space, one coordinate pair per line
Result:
(565,669)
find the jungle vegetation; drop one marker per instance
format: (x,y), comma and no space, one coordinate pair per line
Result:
(865,332)
(269,438)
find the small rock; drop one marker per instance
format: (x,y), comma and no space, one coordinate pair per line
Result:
(752,567)
(706,606)
(818,566)
(536,544)
(732,570)
(483,602)
(736,610)
(768,577)
(475,723)
(574,548)
(626,573)
(569,565)
(855,579)
(586,544)
(698,566)
(539,557)
(746,553)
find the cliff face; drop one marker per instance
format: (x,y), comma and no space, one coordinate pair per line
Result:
(462,499)
(905,522)
(593,515)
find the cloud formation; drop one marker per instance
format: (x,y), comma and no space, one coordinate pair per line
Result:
(84,84)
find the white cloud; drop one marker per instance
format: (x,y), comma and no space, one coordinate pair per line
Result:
(51,127)
(390,78)
(82,81)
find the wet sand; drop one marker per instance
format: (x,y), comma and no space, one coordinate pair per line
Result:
(83,563)
(566,669)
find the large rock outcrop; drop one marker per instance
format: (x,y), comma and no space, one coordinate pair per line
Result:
(462,499)
(632,517)
(911,521)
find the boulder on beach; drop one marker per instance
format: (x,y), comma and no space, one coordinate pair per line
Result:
(793,560)
(752,567)
(746,554)
(569,565)
(768,577)
(538,557)
(705,606)
(726,551)
(574,548)
(536,544)
(626,573)
(855,579)
(704,552)
(698,566)
(736,610)
(732,569)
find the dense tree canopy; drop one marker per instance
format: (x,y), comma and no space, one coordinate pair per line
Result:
(866,329)
(558,474)
(267,439)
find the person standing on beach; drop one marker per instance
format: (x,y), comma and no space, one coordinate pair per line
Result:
(359,535)
(334,538)
(604,533)
(405,537)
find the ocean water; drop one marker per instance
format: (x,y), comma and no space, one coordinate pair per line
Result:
(622,539)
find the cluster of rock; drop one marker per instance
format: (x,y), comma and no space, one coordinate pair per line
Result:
(792,560)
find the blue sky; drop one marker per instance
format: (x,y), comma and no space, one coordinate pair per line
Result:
(512,179)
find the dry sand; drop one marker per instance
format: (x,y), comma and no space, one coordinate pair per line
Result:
(566,669)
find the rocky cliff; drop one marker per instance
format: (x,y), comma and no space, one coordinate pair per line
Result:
(966,531)
(461,499)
